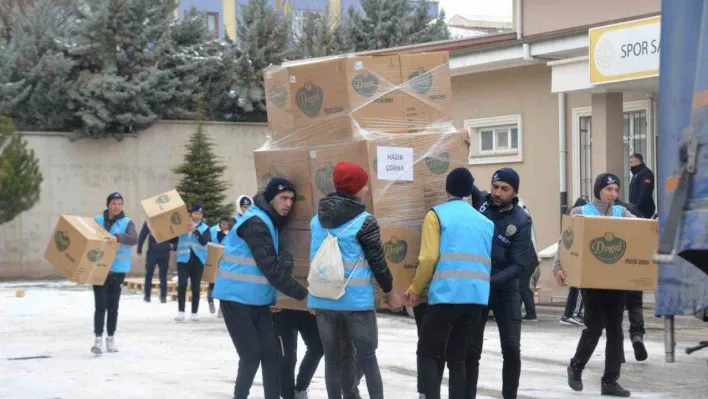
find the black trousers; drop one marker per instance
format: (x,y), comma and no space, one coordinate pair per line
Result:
(635,312)
(506,306)
(526,292)
(191,271)
(163,264)
(574,303)
(106,298)
(253,334)
(288,323)
(210,292)
(445,335)
(419,314)
(604,310)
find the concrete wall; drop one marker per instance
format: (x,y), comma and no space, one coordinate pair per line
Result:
(540,16)
(78,176)
(525,91)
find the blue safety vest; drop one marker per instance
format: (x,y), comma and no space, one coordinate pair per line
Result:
(239,278)
(591,210)
(187,242)
(463,270)
(213,230)
(124,258)
(359,292)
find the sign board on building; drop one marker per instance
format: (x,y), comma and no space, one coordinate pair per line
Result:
(625,51)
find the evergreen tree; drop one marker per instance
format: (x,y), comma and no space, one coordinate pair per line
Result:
(202,175)
(20,177)
(384,24)
(263,36)
(317,37)
(36,78)
(424,27)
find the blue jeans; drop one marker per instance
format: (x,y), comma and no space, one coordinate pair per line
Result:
(362,326)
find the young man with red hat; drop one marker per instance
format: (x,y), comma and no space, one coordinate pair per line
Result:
(343,214)
(604,309)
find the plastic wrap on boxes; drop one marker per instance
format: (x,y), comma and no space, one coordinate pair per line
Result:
(390,114)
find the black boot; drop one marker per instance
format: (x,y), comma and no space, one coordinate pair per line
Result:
(575,377)
(146,299)
(614,389)
(640,351)
(163,299)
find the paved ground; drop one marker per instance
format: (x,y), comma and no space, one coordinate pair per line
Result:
(45,339)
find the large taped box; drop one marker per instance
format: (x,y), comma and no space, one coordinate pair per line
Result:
(401,245)
(302,94)
(438,154)
(427,91)
(609,253)
(294,250)
(167,215)
(292,164)
(211,266)
(324,158)
(80,251)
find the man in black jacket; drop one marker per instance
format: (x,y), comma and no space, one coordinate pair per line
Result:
(157,254)
(511,253)
(641,187)
(250,324)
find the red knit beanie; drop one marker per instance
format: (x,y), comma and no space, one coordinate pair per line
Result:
(349,178)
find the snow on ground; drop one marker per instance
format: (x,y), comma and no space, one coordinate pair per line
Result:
(159,358)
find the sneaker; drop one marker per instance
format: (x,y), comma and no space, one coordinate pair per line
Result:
(212,308)
(146,299)
(566,321)
(614,389)
(110,345)
(578,321)
(575,377)
(180,316)
(530,318)
(640,351)
(220,315)
(195,317)
(300,395)
(97,344)
(163,300)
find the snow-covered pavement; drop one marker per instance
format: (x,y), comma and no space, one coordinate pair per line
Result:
(45,339)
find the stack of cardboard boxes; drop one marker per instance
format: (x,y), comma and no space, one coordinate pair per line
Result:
(389,114)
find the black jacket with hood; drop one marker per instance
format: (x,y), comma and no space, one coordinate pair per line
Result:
(512,247)
(641,191)
(257,236)
(339,208)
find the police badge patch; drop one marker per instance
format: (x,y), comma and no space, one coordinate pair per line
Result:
(510,230)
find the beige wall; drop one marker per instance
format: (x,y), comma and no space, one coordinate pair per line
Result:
(78,176)
(525,91)
(541,16)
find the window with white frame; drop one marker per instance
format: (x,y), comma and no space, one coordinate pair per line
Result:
(495,140)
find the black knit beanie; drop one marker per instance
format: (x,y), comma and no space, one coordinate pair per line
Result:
(112,197)
(276,186)
(507,175)
(459,183)
(603,180)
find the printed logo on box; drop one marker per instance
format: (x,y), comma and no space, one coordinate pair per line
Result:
(568,236)
(276,95)
(62,241)
(395,250)
(438,163)
(608,249)
(365,84)
(324,178)
(309,99)
(421,81)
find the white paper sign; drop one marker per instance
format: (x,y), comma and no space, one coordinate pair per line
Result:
(394,163)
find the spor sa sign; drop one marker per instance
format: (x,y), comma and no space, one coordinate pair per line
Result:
(625,51)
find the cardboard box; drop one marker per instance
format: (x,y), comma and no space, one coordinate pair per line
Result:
(167,215)
(437,155)
(292,164)
(323,159)
(307,103)
(79,250)
(609,253)
(427,91)
(401,244)
(294,249)
(211,266)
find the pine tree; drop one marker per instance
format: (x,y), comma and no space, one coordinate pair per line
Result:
(263,36)
(202,175)
(383,25)
(424,27)
(317,37)
(20,177)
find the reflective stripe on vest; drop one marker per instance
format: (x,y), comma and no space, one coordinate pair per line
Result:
(359,292)
(463,270)
(591,210)
(189,242)
(239,278)
(124,257)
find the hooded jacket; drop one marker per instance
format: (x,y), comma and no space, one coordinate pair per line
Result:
(257,236)
(641,189)
(339,208)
